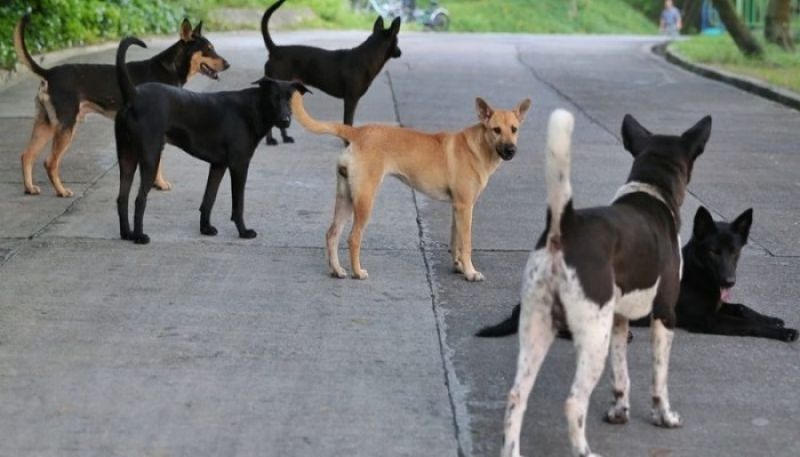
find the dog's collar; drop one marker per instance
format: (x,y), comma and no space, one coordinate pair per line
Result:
(649,189)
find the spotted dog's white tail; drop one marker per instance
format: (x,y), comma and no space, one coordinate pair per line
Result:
(559,189)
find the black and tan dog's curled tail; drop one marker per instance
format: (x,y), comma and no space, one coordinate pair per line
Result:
(343,131)
(123,78)
(505,328)
(22,51)
(265,24)
(557,165)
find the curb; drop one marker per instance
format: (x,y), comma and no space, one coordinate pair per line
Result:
(752,85)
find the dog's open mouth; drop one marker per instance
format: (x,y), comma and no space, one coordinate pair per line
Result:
(725,294)
(208,71)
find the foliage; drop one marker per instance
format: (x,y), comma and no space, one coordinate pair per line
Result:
(62,23)
(777,66)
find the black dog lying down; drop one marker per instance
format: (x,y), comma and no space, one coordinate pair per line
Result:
(709,272)
(221,128)
(342,73)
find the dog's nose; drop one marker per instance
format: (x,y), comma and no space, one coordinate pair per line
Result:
(225,65)
(509,150)
(729,282)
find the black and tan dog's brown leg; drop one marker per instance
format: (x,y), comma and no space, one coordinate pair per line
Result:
(215,174)
(238,181)
(61,141)
(43,131)
(161,182)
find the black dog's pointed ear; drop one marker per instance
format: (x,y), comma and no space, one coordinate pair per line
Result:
(633,135)
(742,223)
(704,224)
(300,87)
(697,136)
(378,25)
(186,30)
(395,27)
(198,31)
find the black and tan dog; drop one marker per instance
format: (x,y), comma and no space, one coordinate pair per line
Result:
(450,166)
(343,73)
(69,92)
(221,128)
(710,259)
(594,269)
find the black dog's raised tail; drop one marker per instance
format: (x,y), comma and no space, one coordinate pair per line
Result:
(557,164)
(22,51)
(123,78)
(505,328)
(265,24)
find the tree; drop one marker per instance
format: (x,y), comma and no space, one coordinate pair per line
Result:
(778,24)
(741,35)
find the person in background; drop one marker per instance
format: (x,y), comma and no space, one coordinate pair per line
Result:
(670,24)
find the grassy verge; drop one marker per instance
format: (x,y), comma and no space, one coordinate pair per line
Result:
(777,67)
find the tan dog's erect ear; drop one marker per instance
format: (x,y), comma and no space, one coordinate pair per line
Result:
(186,30)
(484,110)
(522,108)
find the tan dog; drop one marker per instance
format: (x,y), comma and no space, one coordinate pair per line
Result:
(453,166)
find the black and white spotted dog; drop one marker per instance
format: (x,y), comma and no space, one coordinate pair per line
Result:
(594,269)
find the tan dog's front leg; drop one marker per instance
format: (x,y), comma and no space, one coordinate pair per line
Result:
(455,244)
(463,218)
(161,183)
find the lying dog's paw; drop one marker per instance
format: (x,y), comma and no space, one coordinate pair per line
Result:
(775,322)
(666,419)
(209,230)
(789,335)
(288,139)
(248,234)
(617,415)
(272,142)
(140,238)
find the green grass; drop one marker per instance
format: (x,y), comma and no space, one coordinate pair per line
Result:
(776,67)
(547,16)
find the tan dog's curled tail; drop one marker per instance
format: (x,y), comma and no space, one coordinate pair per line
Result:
(343,131)
(559,188)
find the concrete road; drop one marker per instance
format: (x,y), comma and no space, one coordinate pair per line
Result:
(198,346)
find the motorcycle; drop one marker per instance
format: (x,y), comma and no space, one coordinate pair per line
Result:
(435,17)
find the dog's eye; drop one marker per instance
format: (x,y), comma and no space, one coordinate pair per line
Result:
(497,130)
(513,129)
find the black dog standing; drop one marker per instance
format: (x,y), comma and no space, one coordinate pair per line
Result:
(343,73)
(221,128)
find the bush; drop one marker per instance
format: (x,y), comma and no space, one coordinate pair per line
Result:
(58,24)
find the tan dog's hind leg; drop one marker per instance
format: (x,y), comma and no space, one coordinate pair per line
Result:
(341,215)
(161,183)
(362,207)
(42,133)
(61,142)
(462,213)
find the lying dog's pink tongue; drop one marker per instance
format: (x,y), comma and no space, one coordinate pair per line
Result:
(725,295)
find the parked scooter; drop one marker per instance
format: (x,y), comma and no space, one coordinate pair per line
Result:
(435,17)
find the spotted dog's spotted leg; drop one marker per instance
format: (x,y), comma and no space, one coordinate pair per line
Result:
(536,333)
(662,414)
(591,331)
(618,414)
